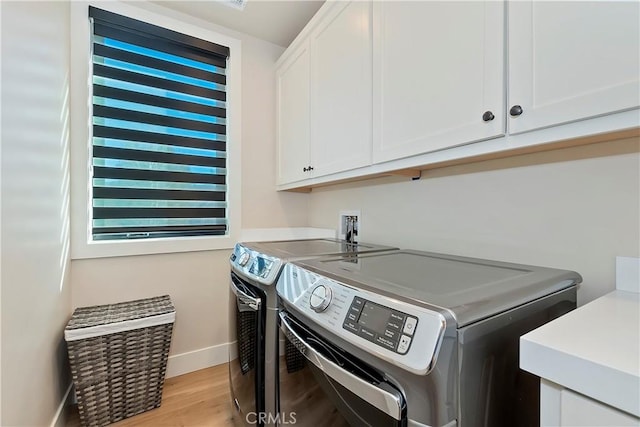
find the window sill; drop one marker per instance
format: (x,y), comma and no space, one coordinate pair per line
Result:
(119,248)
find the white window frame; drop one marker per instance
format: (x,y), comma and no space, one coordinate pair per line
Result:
(82,245)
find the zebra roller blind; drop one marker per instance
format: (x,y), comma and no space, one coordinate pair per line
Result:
(159,131)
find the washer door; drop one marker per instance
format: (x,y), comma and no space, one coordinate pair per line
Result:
(321,385)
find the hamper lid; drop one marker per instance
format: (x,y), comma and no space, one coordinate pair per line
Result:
(89,322)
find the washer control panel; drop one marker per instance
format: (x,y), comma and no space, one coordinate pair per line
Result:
(384,326)
(404,334)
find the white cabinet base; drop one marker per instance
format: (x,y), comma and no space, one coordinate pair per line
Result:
(565,408)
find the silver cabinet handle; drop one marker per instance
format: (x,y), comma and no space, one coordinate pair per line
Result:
(387,402)
(252,302)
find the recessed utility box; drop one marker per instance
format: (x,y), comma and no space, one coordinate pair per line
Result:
(349,225)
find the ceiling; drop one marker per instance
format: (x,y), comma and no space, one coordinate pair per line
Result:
(276,21)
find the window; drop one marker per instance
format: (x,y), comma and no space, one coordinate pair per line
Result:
(159,132)
(155,131)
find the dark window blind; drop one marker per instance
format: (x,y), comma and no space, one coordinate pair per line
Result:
(159,131)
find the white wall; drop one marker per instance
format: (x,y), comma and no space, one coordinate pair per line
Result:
(575,209)
(36,301)
(198,281)
(262,206)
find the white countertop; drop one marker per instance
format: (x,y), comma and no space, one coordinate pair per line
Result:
(593,350)
(292,233)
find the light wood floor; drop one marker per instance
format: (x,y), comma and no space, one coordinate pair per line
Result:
(197,399)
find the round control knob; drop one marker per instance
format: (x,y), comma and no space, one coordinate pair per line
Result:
(244,259)
(320,298)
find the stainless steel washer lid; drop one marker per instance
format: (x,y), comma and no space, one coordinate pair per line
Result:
(472,289)
(290,249)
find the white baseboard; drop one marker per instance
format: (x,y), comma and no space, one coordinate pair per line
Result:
(60,418)
(233,353)
(184,363)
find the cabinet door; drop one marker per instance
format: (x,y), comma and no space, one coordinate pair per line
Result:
(578,410)
(572,60)
(293,117)
(341,89)
(438,67)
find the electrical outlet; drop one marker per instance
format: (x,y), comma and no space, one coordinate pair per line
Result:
(349,225)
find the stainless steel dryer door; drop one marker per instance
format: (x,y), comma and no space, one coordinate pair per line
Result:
(321,385)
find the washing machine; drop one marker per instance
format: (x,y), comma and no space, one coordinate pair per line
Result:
(409,338)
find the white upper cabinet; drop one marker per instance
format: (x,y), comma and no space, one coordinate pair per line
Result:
(438,68)
(381,87)
(340,49)
(292,88)
(573,60)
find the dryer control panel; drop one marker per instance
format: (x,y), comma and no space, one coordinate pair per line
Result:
(404,334)
(255,265)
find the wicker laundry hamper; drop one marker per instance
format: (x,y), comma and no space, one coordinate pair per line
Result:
(118,356)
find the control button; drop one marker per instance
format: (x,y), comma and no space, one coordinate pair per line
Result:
(395,325)
(385,342)
(233,257)
(357,302)
(320,298)
(267,270)
(366,333)
(410,325)
(352,316)
(391,334)
(351,326)
(403,345)
(397,316)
